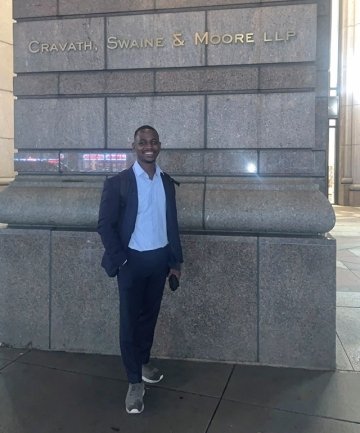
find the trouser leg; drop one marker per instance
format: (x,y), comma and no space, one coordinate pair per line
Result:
(149,314)
(141,285)
(131,299)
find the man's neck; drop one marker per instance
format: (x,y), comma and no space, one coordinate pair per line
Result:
(149,168)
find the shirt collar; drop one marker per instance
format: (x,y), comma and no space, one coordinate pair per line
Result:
(138,170)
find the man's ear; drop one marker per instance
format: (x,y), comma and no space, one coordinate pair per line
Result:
(133,145)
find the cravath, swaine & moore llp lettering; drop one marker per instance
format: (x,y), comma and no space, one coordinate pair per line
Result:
(176,40)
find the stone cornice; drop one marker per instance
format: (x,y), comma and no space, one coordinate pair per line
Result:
(280,206)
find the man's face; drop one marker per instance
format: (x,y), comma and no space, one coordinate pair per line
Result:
(147,146)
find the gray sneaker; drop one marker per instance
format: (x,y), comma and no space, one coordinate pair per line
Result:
(151,374)
(134,398)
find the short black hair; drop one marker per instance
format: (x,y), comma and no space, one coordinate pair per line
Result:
(141,128)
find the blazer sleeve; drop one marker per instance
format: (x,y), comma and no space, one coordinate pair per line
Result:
(110,212)
(176,255)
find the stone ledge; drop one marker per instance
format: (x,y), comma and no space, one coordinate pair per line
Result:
(50,204)
(36,84)
(237,205)
(106,82)
(204,79)
(277,208)
(207,79)
(287,76)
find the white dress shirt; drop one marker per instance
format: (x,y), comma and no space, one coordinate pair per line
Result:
(150,228)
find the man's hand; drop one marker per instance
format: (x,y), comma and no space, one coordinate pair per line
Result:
(174,272)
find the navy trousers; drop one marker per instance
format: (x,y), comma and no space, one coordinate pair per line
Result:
(141,285)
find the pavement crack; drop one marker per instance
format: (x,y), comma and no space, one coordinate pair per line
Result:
(338,336)
(220,399)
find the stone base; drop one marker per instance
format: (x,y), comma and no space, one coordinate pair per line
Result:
(266,300)
(354,195)
(349,193)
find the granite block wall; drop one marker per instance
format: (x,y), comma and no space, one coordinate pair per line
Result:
(24,287)
(84,310)
(204,94)
(231,305)
(237,90)
(293,301)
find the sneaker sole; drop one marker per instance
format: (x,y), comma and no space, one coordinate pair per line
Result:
(145,379)
(135,411)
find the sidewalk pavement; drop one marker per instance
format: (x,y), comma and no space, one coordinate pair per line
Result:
(48,392)
(347,234)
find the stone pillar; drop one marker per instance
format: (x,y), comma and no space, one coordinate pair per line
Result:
(6,95)
(238,93)
(349,162)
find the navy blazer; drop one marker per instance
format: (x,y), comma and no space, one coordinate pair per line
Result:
(117,217)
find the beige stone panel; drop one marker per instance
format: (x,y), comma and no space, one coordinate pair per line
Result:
(6,160)
(6,115)
(355,138)
(345,141)
(345,162)
(341,126)
(346,97)
(348,12)
(356,163)
(6,69)
(354,197)
(347,125)
(355,73)
(6,33)
(341,162)
(347,47)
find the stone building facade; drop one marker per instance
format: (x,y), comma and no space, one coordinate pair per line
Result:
(238,92)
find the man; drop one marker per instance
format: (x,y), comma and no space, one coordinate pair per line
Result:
(139,229)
